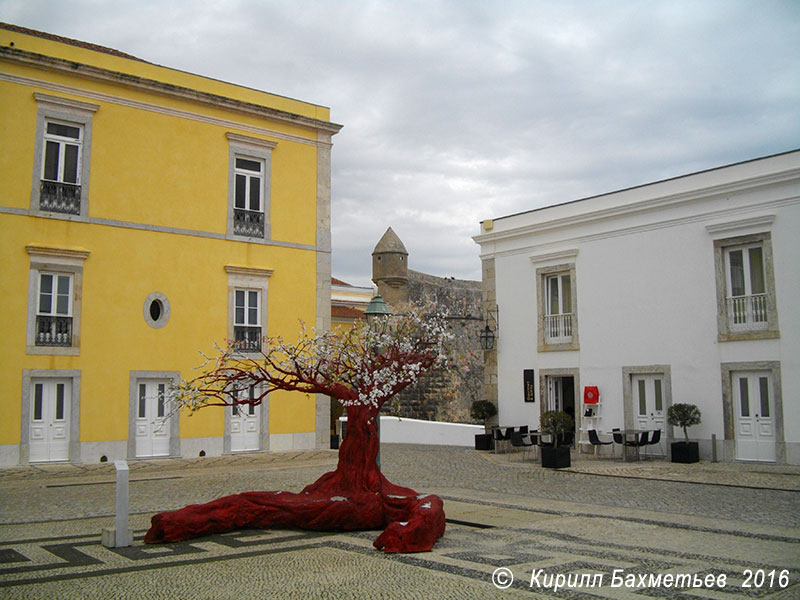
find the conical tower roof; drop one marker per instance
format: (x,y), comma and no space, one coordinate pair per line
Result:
(390,243)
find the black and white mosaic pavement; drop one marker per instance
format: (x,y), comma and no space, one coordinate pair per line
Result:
(464,560)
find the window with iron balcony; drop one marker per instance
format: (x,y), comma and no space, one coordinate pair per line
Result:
(248,215)
(62,155)
(54,312)
(59,189)
(247,319)
(250,161)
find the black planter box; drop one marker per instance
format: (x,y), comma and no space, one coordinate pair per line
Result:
(483,441)
(334,441)
(555,458)
(685,452)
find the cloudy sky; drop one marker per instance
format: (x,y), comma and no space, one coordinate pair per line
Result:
(457,111)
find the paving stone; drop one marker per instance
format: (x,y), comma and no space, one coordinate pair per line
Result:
(597,517)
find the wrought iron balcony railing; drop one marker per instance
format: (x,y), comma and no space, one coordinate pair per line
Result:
(53,331)
(57,196)
(248,222)
(248,339)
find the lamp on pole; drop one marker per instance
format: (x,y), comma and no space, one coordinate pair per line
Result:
(377,314)
(378,318)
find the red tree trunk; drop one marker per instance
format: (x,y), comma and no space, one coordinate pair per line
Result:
(354,496)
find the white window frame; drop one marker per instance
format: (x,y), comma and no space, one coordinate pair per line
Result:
(252,279)
(54,109)
(54,313)
(728,330)
(249,175)
(255,149)
(55,261)
(62,142)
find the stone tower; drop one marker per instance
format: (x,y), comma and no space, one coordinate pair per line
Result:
(390,269)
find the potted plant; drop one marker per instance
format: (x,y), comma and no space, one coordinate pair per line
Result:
(684,415)
(483,410)
(555,423)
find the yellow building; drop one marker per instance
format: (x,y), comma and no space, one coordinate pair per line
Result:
(146,213)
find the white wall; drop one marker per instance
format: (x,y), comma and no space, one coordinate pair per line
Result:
(396,430)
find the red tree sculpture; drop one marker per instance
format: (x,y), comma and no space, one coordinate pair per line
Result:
(360,368)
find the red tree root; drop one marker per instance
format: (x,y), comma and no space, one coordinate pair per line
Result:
(414,522)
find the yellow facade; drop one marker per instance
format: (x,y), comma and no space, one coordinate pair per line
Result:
(156,226)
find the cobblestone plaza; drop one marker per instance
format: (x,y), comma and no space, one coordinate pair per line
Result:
(601,529)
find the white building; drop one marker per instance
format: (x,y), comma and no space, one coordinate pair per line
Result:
(681,291)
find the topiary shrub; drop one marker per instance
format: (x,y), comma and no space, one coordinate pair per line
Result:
(683,415)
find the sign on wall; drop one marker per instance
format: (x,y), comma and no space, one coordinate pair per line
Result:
(528,384)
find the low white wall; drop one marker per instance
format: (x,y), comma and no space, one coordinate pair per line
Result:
(414,431)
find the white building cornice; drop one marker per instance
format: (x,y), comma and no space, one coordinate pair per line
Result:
(634,207)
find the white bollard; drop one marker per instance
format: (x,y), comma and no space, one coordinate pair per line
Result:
(121,536)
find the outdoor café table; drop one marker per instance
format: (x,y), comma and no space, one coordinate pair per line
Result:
(630,435)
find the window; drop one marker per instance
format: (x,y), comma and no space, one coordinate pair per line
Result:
(156,310)
(247,306)
(54,311)
(249,185)
(247,320)
(54,300)
(557,302)
(558,318)
(745,288)
(747,298)
(248,211)
(61,176)
(60,189)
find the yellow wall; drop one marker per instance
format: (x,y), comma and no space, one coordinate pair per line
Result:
(150,170)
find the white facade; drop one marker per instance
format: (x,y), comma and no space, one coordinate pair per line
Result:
(679,289)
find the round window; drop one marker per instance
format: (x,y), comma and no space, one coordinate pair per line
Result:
(156,310)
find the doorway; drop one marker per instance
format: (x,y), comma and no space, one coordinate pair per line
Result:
(245,426)
(152,419)
(49,433)
(561,395)
(754,408)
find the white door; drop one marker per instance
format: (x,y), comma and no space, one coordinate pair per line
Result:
(755,420)
(648,393)
(49,432)
(152,422)
(245,428)
(648,402)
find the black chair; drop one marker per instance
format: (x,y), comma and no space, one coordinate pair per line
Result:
(643,438)
(567,438)
(498,436)
(535,440)
(521,440)
(634,443)
(656,439)
(595,441)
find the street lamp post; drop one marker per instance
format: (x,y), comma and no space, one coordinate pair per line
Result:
(378,319)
